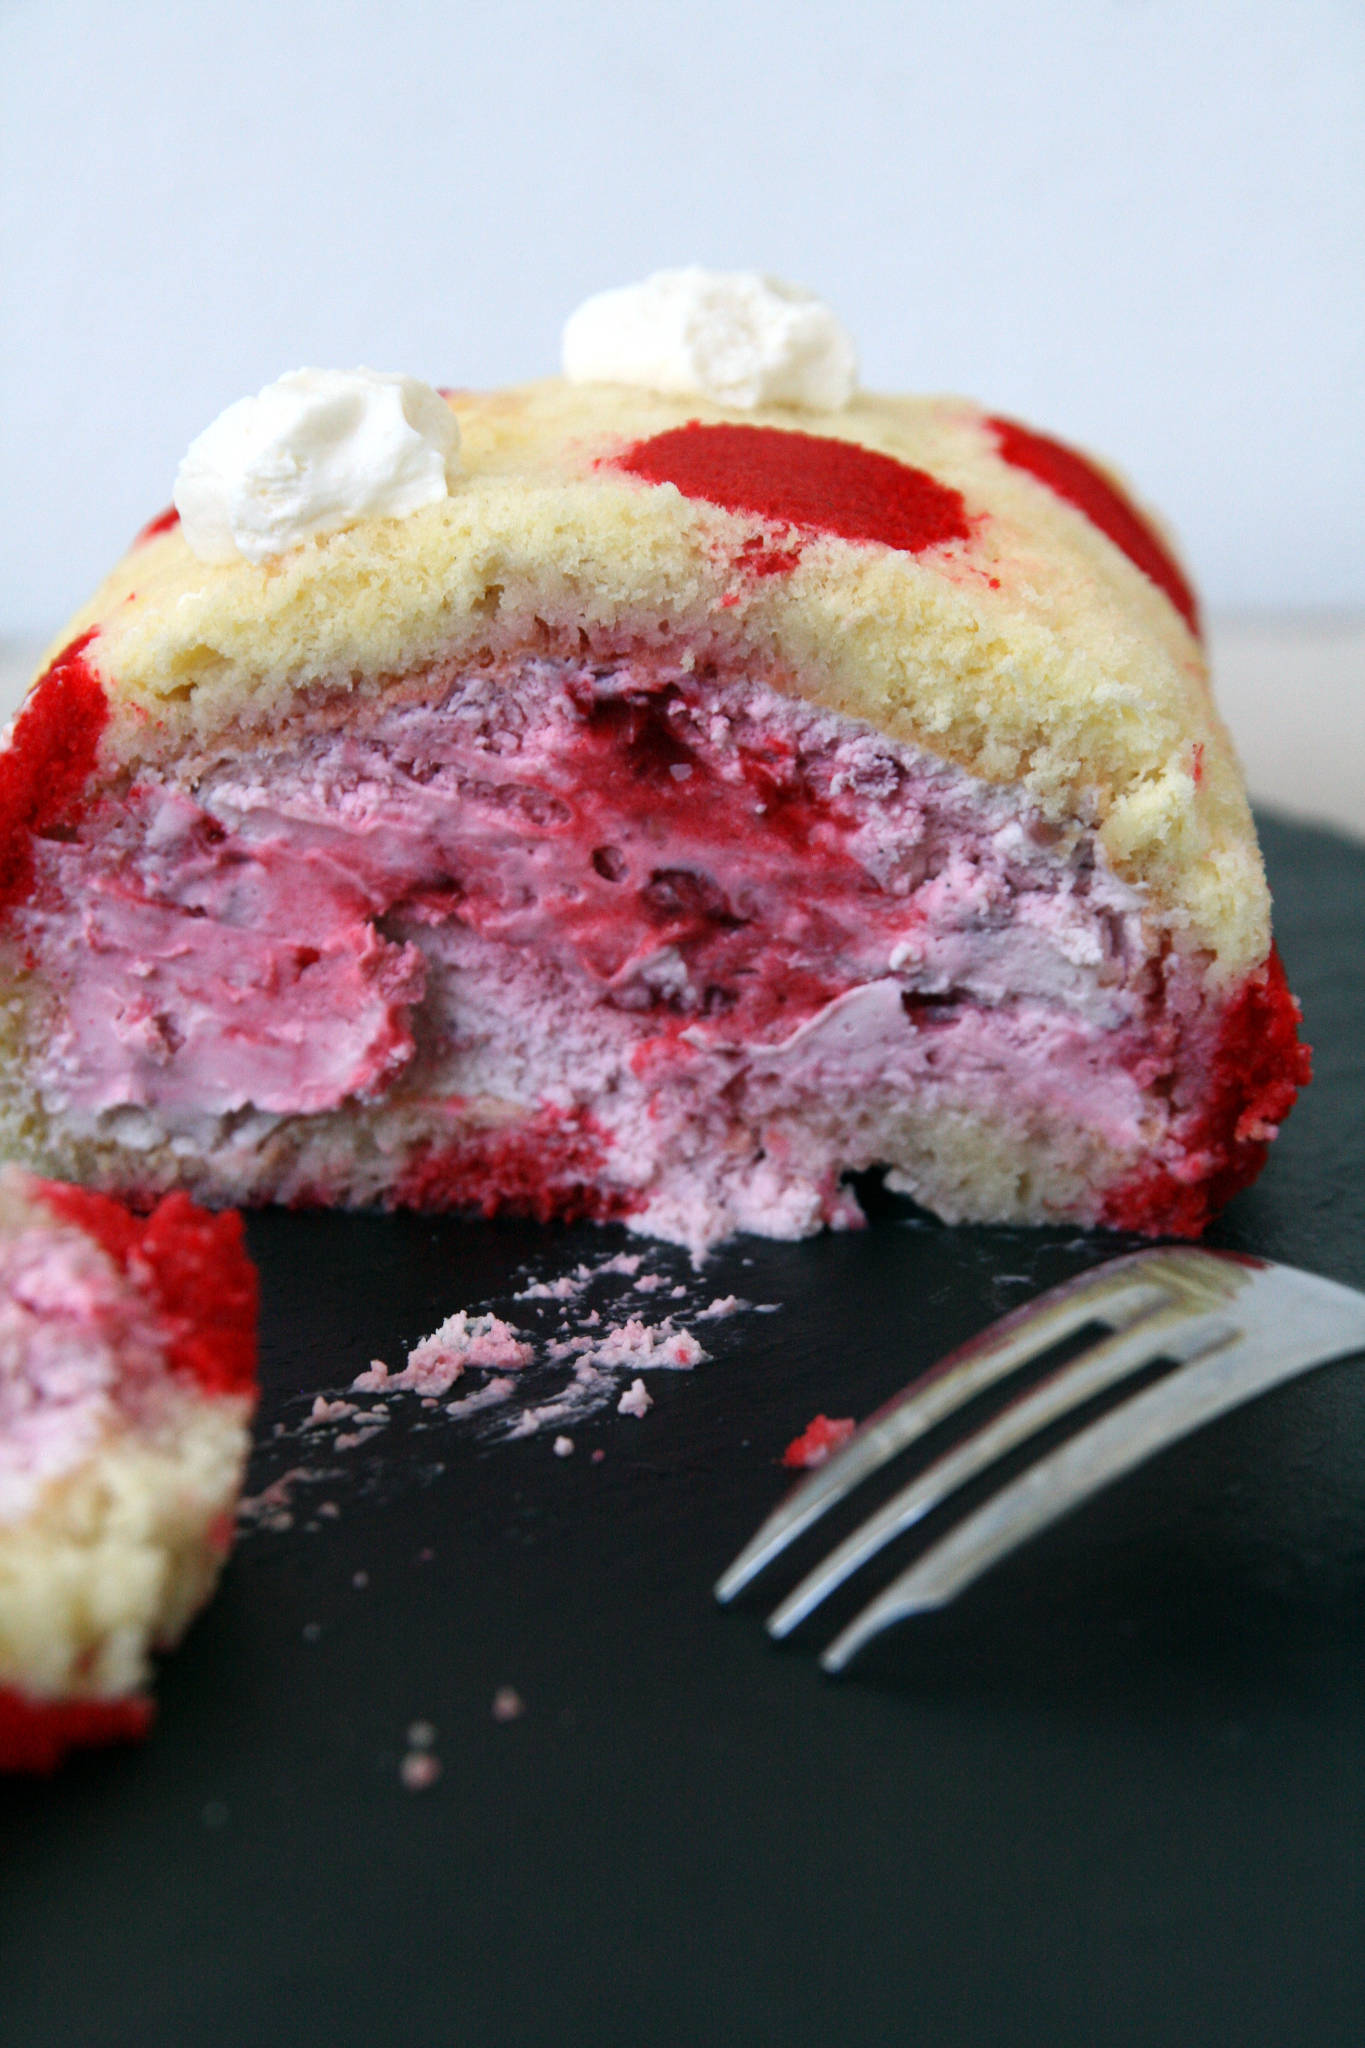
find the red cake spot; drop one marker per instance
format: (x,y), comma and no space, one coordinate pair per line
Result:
(1255,1074)
(818,1441)
(546,1167)
(1077,480)
(164,522)
(195,1268)
(49,759)
(758,558)
(36,1734)
(802,480)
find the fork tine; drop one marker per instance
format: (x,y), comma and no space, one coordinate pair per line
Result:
(1328,1323)
(1120,1293)
(1170,1330)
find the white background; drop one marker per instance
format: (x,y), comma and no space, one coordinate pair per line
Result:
(1139,223)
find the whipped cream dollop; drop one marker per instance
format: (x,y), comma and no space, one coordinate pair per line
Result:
(730,335)
(315,451)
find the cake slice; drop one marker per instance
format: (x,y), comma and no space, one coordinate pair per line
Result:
(660,808)
(127,1367)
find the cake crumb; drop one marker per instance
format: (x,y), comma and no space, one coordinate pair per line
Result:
(634,1342)
(272,1508)
(565,1288)
(637,1400)
(422,1735)
(508,1704)
(434,1365)
(817,1441)
(488,1396)
(324,1410)
(627,1264)
(360,1580)
(419,1769)
(563,1446)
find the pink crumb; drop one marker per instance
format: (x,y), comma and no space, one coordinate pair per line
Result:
(637,1343)
(627,1264)
(324,1410)
(818,1441)
(508,1704)
(437,1362)
(352,1439)
(488,1396)
(419,1769)
(636,1400)
(565,1288)
(375,1376)
(272,1508)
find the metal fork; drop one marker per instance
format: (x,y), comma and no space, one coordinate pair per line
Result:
(1233,1326)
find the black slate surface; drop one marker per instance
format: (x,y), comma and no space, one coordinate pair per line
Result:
(1116,1795)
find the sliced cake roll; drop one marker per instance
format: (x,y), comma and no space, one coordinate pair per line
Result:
(652,794)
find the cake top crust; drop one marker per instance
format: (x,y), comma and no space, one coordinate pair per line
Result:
(956,581)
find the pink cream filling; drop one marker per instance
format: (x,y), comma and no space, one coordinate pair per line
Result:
(615,887)
(80,1355)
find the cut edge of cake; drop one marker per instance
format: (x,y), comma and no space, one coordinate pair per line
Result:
(1028,648)
(127,1396)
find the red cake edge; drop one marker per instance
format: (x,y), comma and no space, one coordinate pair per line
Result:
(193,1265)
(51,755)
(1258,1067)
(36,1735)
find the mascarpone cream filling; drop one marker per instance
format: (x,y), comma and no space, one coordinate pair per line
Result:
(678,904)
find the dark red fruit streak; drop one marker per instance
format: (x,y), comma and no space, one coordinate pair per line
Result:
(800,480)
(36,1734)
(48,762)
(1253,1079)
(548,1167)
(193,1266)
(1073,477)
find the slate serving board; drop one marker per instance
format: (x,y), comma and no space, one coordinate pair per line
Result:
(1116,1795)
